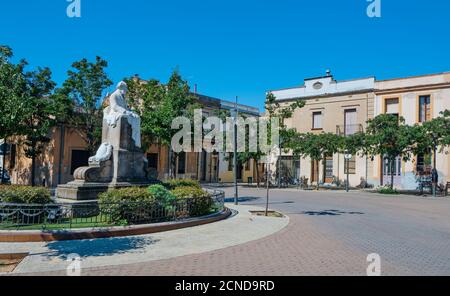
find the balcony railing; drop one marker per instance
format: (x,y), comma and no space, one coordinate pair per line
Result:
(349,129)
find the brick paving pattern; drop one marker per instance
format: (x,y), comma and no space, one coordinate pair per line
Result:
(330,233)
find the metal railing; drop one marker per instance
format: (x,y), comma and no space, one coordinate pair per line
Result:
(349,129)
(61,216)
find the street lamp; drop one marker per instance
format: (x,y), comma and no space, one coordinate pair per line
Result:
(347,157)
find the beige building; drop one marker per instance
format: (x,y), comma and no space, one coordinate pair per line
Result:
(345,106)
(332,106)
(417,99)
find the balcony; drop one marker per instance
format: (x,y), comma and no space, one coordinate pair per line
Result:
(349,129)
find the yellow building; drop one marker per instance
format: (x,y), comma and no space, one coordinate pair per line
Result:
(66,151)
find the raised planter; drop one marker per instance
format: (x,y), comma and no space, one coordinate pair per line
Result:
(13,236)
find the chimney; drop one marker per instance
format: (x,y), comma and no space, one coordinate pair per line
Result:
(328,73)
(195,88)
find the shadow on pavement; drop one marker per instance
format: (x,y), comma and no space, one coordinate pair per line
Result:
(330,213)
(98,247)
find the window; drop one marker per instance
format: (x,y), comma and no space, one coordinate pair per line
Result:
(80,158)
(350,166)
(182,163)
(423,165)
(317,120)
(350,118)
(230,162)
(424,108)
(328,169)
(152,159)
(247,166)
(392,106)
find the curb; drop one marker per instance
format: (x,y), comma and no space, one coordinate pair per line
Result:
(81,234)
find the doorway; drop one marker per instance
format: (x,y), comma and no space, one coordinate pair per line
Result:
(387,171)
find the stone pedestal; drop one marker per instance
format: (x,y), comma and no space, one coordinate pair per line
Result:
(125,165)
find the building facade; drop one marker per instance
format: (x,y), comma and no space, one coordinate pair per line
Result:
(331,106)
(344,107)
(416,99)
(66,151)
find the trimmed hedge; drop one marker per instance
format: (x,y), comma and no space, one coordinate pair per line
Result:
(131,205)
(124,205)
(25,194)
(201,201)
(129,194)
(175,183)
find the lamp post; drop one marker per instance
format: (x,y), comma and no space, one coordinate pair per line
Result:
(347,157)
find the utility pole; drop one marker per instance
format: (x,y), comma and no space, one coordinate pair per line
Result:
(267,184)
(236,114)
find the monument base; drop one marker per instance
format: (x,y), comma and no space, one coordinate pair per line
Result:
(84,191)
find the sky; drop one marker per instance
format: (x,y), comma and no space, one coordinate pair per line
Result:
(233,47)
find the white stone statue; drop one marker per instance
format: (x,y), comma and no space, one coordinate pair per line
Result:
(103,153)
(118,108)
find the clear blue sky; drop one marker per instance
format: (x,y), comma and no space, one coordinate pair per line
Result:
(233,47)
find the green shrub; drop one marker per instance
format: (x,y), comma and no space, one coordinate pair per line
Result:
(174,183)
(200,201)
(25,194)
(387,190)
(125,205)
(161,194)
(129,194)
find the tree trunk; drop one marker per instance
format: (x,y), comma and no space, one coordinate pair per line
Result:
(174,165)
(392,172)
(434,157)
(257,174)
(318,172)
(33,175)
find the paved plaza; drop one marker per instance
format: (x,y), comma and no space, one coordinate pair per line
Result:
(329,233)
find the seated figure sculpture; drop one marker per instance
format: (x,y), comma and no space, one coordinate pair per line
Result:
(119,161)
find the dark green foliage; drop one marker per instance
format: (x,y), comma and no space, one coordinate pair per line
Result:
(174,183)
(200,201)
(25,195)
(84,88)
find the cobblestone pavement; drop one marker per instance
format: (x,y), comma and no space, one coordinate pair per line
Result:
(330,233)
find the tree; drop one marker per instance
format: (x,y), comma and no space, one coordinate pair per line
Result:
(283,111)
(12,97)
(12,93)
(84,87)
(432,136)
(40,114)
(316,146)
(388,136)
(159,105)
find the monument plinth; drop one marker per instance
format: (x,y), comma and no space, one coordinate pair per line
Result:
(119,162)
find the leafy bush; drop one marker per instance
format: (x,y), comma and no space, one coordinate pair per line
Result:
(174,183)
(126,204)
(129,194)
(161,194)
(387,190)
(200,201)
(25,194)
(155,203)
